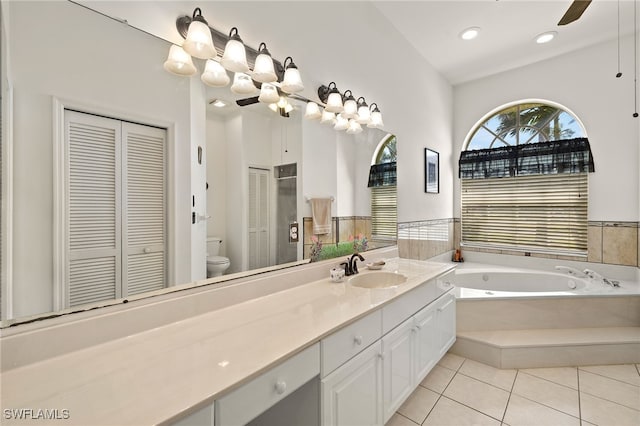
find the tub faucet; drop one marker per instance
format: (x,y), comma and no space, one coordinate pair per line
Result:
(596,276)
(572,271)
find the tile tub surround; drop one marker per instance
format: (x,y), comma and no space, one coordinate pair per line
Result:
(613,243)
(459,391)
(155,375)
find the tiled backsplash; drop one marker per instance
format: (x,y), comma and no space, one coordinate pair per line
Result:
(615,243)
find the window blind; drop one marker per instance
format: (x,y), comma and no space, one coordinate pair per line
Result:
(545,213)
(384,215)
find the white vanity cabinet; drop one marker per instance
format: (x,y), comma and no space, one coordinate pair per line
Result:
(352,394)
(397,365)
(446,322)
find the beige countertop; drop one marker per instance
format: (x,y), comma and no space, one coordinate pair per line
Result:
(152,376)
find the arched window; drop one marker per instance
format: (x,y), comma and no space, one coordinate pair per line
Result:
(524,181)
(382,181)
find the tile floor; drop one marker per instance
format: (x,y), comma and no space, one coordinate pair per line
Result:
(460,392)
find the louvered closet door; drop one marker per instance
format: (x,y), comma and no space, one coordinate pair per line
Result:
(93,271)
(144,209)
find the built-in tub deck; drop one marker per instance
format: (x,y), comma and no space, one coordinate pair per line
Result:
(504,322)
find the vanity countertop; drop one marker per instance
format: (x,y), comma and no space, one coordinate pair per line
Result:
(150,377)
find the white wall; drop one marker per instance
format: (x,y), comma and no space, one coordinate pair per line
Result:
(584,82)
(217,179)
(118,69)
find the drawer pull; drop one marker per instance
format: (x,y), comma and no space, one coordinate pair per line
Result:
(281,387)
(357,340)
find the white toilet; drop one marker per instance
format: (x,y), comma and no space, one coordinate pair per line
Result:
(216,265)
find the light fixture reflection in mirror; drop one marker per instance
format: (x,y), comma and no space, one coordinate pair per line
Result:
(164,101)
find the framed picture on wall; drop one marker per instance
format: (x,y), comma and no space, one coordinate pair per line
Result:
(431,171)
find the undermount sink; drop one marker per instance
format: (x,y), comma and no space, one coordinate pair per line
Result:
(378,280)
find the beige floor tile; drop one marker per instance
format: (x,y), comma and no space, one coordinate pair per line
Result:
(451,413)
(485,373)
(451,361)
(601,412)
(438,379)
(480,396)
(627,373)
(567,376)
(418,405)
(547,393)
(610,389)
(398,420)
(524,412)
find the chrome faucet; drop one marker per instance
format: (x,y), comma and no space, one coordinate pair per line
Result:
(596,276)
(350,266)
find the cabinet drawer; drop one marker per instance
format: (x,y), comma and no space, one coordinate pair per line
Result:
(247,402)
(349,341)
(408,304)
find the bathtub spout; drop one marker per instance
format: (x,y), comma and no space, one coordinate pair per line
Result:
(572,271)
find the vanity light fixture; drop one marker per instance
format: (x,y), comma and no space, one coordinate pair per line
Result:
(234,58)
(364,115)
(470,33)
(218,103)
(214,74)
(327,117)
(179,62)
(342,123)
(376,117)
(354,127)
(199,42)
(263,70)
(331,97)
(545,37)
(242,84)
(268,94)
(312,111)
(292,82)
(350,105)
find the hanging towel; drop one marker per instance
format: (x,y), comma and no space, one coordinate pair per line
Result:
(321,215)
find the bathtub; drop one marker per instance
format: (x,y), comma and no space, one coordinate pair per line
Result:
(478,280)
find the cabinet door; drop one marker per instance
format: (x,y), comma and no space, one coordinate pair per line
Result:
(352,394)
(426,342)
(446,322)
(397,366)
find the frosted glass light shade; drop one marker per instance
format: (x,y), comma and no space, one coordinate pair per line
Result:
(312,111)
(354,127)
(292,82)
(327,117)
(179,62)
(214,75)
(350,108)
(263,70)
(242,84)
(234,57)
(268,94)
(376,120)
(334,102)
(341,123)
(364,115)
(198,42)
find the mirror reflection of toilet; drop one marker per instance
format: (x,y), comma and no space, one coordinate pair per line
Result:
(216,265)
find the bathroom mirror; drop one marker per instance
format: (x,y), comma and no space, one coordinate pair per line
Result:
(116,71)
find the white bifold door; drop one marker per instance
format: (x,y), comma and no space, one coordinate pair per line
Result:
(115,221)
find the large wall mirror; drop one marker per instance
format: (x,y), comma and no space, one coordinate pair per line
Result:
(91,109)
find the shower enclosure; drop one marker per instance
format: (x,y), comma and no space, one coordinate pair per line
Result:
(286,211)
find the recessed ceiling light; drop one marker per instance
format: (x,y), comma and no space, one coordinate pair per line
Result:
(545,37)
(470,33)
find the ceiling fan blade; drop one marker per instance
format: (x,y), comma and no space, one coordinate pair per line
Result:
(574,12)
(247,101)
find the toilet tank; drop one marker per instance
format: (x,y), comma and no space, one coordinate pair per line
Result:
(213,246)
